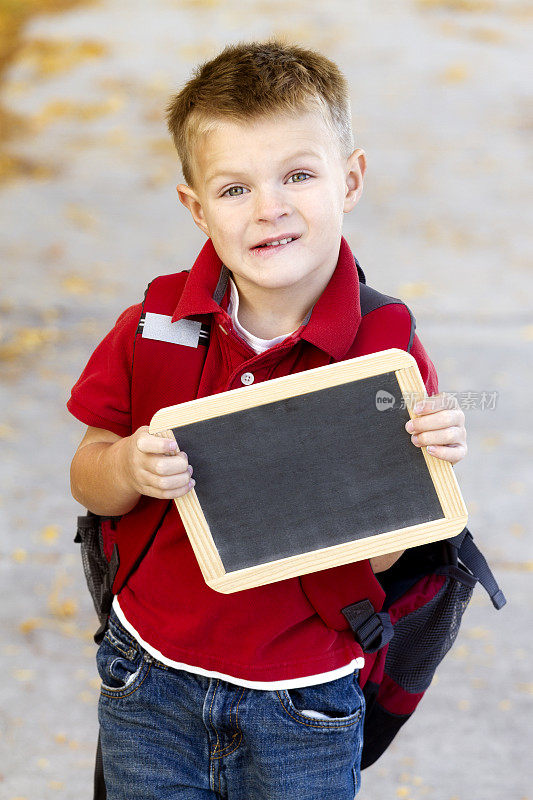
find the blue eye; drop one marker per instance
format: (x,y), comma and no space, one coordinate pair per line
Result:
(298,177)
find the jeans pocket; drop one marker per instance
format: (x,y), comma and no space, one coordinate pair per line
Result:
(121,666)
(338,704)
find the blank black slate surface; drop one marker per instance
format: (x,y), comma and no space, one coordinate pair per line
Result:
(308,472)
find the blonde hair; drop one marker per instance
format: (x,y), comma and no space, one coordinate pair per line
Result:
(249,80)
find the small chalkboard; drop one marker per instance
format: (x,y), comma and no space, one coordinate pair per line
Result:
(310,471)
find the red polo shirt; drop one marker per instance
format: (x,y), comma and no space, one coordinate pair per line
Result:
(270,636)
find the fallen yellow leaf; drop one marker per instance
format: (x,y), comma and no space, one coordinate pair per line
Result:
(49,534)
(455,73)
(23,674)
(30,625)
(487,35)
(61,608)
(26,341)
(51,56)
(76,284)
(66,608)
(458,5)
(13,166)
(477,633)
(411,290)
(460,651)
(6,431)
(58,109)
(81,216)
(490,443)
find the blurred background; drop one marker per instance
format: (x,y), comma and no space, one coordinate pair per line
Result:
(90,214)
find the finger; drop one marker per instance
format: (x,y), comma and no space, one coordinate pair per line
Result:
(169,495)
(444,436)
(179,491)
(451,453)
(171,483)
(170,465)
(167,486)
(436,402)
(148,443)
(436,420)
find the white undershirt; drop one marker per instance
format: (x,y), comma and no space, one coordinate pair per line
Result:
(257,344)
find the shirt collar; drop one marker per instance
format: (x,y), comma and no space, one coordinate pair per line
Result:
(330,325)
(205,285)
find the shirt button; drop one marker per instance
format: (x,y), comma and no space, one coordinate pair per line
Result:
(247,378)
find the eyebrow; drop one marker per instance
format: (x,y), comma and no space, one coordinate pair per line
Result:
(235,175)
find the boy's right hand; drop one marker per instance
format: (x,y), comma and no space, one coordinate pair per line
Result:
(153,466)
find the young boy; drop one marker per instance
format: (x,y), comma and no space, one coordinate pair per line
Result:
(255,695)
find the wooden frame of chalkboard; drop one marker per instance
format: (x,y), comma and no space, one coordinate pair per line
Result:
(361,488)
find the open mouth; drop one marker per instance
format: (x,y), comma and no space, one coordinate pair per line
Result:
(275,244)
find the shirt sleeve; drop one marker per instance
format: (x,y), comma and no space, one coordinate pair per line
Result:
(101,397)
(426,367)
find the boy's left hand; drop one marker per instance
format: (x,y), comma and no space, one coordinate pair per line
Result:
(439,425)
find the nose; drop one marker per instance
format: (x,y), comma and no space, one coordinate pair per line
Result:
(270,204)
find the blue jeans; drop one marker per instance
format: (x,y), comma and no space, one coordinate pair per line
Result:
(167,733)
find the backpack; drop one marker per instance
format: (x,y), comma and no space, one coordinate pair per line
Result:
(426,593)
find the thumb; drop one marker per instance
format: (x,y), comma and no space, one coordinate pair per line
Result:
(149,443)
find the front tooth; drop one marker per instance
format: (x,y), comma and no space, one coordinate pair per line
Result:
(281,241)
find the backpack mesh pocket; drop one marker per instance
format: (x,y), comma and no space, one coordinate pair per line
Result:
(423,637)
(89,536)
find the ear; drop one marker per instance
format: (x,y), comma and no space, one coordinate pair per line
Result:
(190,200)
(354,176)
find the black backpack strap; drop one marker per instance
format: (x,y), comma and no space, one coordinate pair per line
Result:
(146,547)
(475,561)
(360,272)
(100,792)
(106,593)
(372,629)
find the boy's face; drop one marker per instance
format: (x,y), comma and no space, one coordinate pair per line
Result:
(272,179)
